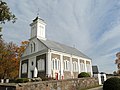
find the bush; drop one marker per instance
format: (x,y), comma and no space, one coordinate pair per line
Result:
(83,74)
(22,80)
(47,78)
(112,84)
(12,81)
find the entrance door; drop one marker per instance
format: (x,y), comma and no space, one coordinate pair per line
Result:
(32,74)
(56,75)
(102,79)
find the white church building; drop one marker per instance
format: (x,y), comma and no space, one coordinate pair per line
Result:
(51,58)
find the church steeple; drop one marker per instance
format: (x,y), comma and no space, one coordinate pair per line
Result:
(38,28)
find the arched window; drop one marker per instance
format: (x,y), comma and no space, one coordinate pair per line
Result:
(53,64)
(31,48)
(66,65)
(56,64)
(88,66)
(75,66)
(82,65)
(34,46)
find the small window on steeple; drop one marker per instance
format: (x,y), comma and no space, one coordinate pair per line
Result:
(34,46)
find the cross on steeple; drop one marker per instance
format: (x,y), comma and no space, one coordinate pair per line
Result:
(38,12)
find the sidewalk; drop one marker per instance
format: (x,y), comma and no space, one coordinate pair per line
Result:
(97,88)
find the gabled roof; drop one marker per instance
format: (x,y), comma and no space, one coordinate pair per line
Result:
(63,48)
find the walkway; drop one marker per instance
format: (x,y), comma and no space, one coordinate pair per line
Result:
(97,88)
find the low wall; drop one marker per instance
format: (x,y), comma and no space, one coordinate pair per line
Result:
(69,84)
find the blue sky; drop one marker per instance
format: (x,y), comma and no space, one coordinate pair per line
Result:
(92,26)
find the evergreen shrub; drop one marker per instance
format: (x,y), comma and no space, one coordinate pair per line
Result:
(112,84)
(83,74)
(21,80)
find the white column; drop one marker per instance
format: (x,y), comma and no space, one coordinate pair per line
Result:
(61,67)
(78,65)
(20,70)
(91,68)
(85,66)
(71,65)
(99,79)
(57,64)
(48,63)
(29,69)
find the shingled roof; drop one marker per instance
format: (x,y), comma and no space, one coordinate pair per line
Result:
(95,69)
(63,48)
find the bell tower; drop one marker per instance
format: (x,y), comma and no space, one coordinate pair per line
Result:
(38,28)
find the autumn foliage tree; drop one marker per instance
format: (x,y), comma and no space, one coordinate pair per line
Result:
(10,55)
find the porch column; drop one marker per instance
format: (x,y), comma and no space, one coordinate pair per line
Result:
(85,66)
(78,65)
(29,70)
(91,68)
(61,67)
(71,69)
(20,70)
(48,63)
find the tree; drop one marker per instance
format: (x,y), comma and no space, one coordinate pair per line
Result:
(5,14)
(21,49)
(8,60)
(10,55)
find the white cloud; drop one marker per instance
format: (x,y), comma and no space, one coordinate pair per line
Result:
(91,25)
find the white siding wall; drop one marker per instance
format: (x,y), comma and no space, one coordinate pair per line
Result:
(78,67)
(38,47)
(48,64)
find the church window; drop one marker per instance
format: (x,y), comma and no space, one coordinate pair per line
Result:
(82,66)
(58,64)
(66,65)
(24,68)
(88,66)
(55,64)
(41,64)
(31,48)
(41,30)
(75,66)
(34,46)
(33,31)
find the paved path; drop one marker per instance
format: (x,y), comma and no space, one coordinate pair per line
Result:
(97,88)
